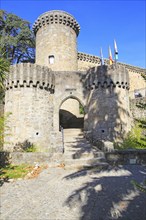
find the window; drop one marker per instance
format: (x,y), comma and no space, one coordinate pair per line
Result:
(51,59)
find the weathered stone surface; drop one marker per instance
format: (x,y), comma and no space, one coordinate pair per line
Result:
(137,83)
(36,93)
(56,33)
(136,108)
(131,156)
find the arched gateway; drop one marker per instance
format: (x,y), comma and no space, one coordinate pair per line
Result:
(71,114)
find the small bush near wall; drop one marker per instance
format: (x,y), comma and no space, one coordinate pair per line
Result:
(4,126)
(136,139)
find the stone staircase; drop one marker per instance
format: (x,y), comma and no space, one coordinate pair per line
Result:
(79,153)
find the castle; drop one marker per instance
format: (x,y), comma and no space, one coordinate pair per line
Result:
(67,89)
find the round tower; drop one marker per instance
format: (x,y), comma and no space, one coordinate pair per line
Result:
(56,40)
(108,113)
(28,104)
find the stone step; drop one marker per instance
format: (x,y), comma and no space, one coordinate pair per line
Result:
(84,157)
(77,145)
(88,163)
(75,140)
(77,155)
(71,130)
(78,152)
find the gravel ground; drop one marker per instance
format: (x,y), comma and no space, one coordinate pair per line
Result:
(63,194)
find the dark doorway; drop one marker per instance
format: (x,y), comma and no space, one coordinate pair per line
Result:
(71,114)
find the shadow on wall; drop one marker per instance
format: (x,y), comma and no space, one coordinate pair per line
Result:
(107,110)
(25,146)
(69,120)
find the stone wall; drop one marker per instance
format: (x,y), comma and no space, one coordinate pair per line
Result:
(41,158)
(116,157)
(130,156)
(136,108)
(136,81)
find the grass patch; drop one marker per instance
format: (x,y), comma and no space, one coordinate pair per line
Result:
(15,171)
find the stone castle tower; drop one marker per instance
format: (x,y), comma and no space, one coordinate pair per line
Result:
(47,95)
(56,44)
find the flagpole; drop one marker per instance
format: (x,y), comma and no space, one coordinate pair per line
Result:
(110,56)
(116,53)
(101,57)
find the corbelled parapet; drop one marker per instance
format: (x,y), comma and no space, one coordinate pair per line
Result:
(30,75)
(88,58)
(56,17)
(107,76)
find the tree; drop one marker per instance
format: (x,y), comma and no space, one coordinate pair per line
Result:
(4,68)
(17,41)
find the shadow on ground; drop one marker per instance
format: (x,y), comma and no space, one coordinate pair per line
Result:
(110,194)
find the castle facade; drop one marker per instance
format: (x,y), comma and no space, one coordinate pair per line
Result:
(67,89)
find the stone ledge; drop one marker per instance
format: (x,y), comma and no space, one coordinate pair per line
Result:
(30,158)
(130,156)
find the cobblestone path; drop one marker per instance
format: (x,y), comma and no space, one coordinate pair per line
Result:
(63,194)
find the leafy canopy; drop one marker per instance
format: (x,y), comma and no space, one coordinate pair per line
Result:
(17,41)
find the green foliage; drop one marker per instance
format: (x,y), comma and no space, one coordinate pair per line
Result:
(144,76)
(141,105)
(17,41)
(135,139)
(26,146)
(141,187)
(81,109)
(4,69)
(31,148)
(14,172)
(4,126)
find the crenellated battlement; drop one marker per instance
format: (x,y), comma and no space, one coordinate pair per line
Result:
(96,60)
(56,17)
(88,58)
(30,75)
(107,76)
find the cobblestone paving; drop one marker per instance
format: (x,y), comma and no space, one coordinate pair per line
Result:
(63,194)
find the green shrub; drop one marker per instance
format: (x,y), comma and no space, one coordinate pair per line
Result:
(135,138)
(25,146)
(4,126)
(81,109)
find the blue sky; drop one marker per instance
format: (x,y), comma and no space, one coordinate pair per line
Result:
(101,22)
